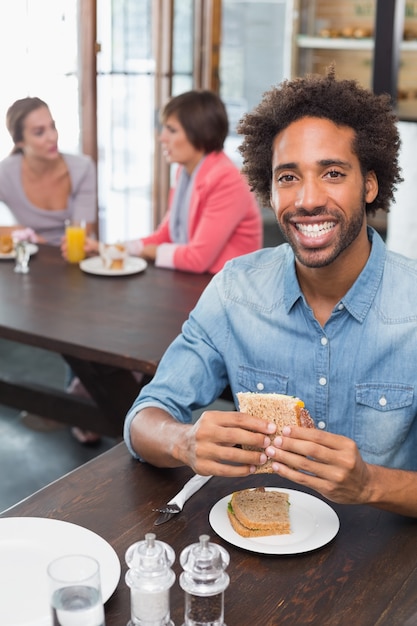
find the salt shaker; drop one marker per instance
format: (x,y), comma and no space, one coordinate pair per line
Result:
(204,581)
(22,257)
(150,578)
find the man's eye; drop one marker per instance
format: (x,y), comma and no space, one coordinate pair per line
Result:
(286,178)
(335,174)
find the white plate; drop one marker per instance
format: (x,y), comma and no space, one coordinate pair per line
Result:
(27,545)
(313,524)
(32,247)
(94,265)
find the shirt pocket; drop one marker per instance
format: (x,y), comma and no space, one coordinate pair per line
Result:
(384,415)
(261,381)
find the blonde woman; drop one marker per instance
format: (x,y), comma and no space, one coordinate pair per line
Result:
(42,186)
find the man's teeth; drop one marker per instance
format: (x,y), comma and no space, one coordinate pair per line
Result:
(315,230)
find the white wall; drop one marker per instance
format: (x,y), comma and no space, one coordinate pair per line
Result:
(402,218)
(38,52)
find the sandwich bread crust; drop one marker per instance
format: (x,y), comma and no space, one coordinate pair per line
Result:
(259,513)
(274,407)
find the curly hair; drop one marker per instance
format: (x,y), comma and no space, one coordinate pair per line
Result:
(343,102)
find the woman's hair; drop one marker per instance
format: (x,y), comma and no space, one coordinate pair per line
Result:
(16,115)
(343,102)
(203,116)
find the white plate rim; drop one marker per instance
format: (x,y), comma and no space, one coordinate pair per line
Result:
(32,247)
(93,265)
(61,538)
(324,526)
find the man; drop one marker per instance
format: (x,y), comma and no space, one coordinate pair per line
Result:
(330,318)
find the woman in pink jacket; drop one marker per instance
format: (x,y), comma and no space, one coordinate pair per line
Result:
(213,216)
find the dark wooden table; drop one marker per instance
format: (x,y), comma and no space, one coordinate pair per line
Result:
(104,327)
(366,576)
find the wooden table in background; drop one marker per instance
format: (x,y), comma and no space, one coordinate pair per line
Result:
(366,576)
(104,327)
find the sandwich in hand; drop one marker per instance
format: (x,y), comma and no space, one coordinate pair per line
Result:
(259,513)
(280,409)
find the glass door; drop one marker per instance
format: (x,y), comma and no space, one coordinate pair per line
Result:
(255,54)
(125,117)
(146,54)
(345,32)
(335,31)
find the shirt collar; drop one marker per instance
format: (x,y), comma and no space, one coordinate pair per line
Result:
(360,296)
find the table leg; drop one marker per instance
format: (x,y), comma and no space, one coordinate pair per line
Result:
(112,389)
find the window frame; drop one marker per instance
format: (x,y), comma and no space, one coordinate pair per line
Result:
(206,50)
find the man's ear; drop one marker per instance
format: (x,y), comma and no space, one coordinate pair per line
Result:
(371,186)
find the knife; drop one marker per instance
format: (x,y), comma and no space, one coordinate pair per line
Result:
(175,505)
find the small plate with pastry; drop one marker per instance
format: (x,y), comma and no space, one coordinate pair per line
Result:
(271,520)
(113,262)
(7,250)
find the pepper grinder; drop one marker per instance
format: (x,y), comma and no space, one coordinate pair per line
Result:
(204,581)
(150,578)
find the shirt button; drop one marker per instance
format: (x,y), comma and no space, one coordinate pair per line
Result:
(321,424)
(341,306)
(322,381)
(382,401)
(324,341)
(260,386)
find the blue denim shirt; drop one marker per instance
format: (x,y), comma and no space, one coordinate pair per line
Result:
(253,329)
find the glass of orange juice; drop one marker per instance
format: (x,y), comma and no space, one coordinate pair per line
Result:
(75,235)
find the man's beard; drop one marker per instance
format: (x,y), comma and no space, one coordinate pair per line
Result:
(321,257)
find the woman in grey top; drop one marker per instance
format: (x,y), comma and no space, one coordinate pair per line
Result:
(41,186)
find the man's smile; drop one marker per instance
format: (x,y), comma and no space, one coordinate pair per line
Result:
(314,230)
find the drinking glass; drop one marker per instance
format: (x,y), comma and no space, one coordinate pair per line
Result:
(75,591)
(75,236)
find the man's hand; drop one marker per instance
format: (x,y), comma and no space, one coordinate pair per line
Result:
(330,464)
(210,446)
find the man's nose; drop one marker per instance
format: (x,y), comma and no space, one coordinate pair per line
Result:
(311,194)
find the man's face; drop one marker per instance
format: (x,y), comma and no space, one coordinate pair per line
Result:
(318,192)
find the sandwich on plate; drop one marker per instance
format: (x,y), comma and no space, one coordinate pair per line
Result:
(274,407)
(259,512)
